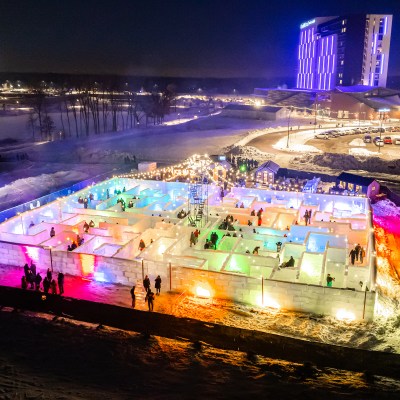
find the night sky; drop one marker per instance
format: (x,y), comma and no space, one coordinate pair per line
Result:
(197,38)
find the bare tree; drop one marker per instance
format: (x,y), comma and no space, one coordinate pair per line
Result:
(31,123)
(39,108)
(48,127)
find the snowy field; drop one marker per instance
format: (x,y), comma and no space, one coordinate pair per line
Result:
(70,361)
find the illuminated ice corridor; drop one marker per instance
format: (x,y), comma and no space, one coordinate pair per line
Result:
(111,247)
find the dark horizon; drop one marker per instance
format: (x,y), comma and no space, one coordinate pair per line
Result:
(187,39)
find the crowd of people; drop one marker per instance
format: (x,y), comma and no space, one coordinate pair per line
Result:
(357,254)
(307,216)
(75,243)
(33,280)
(212,242)
(86,200)
(150,296)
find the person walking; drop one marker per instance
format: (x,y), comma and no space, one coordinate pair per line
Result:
(158,285)
(196,236)
(362,254)
(53,287)
(133,296)
(192,239)
(33,269)
(329,280)
(38,280)
(150,300)
(24,285)
(52,232)
(46,285)
(352,256)
(358,250)
(146,283)
(60,280)
(306,217)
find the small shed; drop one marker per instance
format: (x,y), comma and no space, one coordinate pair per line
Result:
(358,184)
(265,174)
(269,113)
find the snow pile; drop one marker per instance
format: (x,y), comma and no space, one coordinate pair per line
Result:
(386,208)
(357,143)
(297,142)
(363,153)
(345,162)
(98,155)
(249,152)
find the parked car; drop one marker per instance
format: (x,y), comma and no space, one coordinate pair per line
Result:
(321,136)
(397,141)
(379,142)
(333,134)
(367,139)
(387,140)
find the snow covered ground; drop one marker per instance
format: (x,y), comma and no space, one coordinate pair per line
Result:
(42,357)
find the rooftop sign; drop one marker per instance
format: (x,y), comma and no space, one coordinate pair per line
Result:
(308,23)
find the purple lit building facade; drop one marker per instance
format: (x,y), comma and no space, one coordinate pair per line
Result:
(344,51)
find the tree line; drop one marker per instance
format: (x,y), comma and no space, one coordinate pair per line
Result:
(94,110)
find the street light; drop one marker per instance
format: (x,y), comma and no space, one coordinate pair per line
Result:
(315,112)
(382,112)
(288,127)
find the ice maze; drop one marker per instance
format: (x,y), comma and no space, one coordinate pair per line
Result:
(110,250)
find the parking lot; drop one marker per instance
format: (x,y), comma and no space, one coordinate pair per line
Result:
(338,140)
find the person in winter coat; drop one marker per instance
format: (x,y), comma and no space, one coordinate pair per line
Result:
(192,239)
(150,300)
(146,283)
(352,256)
(53,286)
(46,285)
(60,280)
(24,285)
(133,296)
(38,280)
(329,280)
(158,285)
(362,254)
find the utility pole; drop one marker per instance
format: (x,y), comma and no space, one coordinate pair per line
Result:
(288,127)
(315,112)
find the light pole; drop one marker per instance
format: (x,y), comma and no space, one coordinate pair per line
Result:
(288,127)
(315,112)
(381,117)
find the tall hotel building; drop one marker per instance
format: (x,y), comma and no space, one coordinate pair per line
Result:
(344,51)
